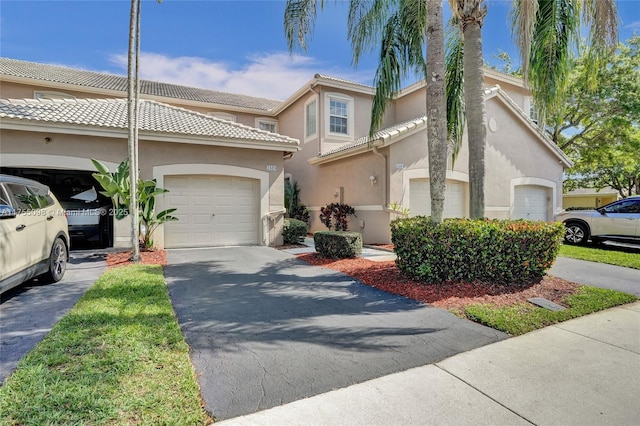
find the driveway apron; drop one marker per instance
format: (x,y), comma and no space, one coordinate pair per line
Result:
(28,312)
(266,329)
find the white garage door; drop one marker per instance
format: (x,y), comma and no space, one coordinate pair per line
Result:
(420,196)
(530,202)
(212,211)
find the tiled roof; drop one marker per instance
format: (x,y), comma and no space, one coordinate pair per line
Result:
(155,117)
(384,134)
(92,79)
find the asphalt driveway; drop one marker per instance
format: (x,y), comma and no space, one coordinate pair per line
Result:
(266,329)
(28,312)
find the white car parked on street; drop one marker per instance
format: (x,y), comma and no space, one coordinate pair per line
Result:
(617,221)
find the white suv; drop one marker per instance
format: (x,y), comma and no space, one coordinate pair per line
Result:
(34,235)
(617,221)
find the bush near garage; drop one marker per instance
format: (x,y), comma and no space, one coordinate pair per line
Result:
(338,244)
(294,231)
(498,251)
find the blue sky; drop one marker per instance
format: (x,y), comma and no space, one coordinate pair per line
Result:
(235,46)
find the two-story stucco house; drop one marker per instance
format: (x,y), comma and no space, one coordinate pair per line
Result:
(225,157)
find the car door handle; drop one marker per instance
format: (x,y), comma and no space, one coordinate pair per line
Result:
(20,227)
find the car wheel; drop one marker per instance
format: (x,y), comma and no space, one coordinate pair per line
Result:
(576,233)
(57,261)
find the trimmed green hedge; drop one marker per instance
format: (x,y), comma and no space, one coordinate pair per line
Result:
(338,244)
(294,231)
(500,251)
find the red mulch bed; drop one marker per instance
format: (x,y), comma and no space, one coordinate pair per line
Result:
(454,296)
(155,257)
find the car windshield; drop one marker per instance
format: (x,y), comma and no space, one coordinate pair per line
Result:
(81,199)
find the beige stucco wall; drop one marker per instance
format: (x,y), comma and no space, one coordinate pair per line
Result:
(20,148)
(411,105)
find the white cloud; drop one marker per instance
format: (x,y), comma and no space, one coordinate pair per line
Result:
(276,75)
(633,26)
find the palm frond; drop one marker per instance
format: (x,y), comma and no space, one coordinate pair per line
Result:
(523,19)
(412,16)
(601,16)
(299,22)
(365,24)
(556,30)
(454,78)
(391,66)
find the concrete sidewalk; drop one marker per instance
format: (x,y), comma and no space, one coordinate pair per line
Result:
(583,371)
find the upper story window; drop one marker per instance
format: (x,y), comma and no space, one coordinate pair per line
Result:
(530,109)
(223,116)
(339,113)
(311,118)
(267,124)
(52,95)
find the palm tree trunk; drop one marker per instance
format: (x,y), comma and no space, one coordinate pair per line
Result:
(131,106)
(436,108)
(472,19)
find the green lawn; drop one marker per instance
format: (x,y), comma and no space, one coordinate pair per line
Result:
(118,357)
(525,317)
(628,259)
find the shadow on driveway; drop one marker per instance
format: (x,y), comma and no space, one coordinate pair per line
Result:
(266,329)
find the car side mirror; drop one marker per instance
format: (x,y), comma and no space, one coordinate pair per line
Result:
(7,212)
(602,211)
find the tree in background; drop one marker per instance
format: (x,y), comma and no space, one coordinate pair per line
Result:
(599,125)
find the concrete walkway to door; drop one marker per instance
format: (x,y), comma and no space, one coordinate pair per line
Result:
(266,329)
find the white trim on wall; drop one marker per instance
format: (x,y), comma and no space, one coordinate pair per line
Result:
(159,172)
(350,116)
(313,135)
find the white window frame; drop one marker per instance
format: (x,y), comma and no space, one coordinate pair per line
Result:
(223,116)
(45,94)
(327,115)
(268,121)
(310,136)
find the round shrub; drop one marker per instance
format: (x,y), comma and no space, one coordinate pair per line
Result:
(338,244)
(294,231)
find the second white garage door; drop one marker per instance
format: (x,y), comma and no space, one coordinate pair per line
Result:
(212,211)
(420,198)
(530,202)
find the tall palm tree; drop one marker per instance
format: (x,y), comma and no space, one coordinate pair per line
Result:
(402,29)
(132,106)
(470,16)
(546,32)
